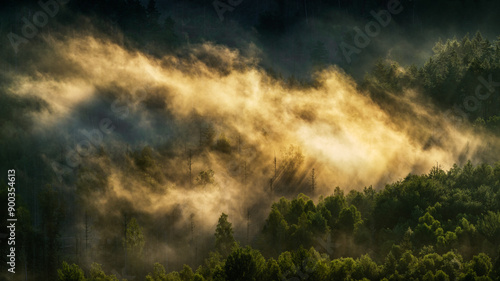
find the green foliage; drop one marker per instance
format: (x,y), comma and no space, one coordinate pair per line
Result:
(427,230)
(481,264)
(205,177)
(97,274)
(144,160)
(297,208)
(342,269)
(134,243)
(489,226)
(241,266)
(272,271)
(441,216)
(366,268)
(275,229)
(186,273)
(134,239)
(439,226)
(224,240)
(212,266)
(451,74)
(431,220)
(156,276)
(70,273)
(198,277)
(159,274)
(349,219)
(149,170)
(331,207)
(223,144)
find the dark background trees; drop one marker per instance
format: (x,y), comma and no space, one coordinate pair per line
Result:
(439,225)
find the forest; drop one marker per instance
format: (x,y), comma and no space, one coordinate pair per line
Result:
(443,225)
(158,140)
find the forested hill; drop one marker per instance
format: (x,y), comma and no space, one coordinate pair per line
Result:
(443,225)
(138,129)
(462,77)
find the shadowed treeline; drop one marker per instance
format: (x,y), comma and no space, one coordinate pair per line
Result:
(132,129)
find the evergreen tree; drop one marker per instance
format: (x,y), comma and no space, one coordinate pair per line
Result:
(224,240)
(70,273)
(241,266)
(159,273)
(134,244)
(97,274)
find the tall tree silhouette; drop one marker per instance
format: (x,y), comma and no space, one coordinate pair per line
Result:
(224,239)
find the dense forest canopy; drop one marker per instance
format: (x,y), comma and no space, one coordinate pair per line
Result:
(234,140)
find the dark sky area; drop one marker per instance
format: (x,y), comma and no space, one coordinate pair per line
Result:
(289,31)
(290,35)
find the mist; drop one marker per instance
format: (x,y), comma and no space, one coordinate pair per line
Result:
(165,103)
(123,130)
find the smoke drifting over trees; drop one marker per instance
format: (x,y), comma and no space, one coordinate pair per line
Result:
(138,131)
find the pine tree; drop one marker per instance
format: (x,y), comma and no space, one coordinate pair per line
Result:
(224,240)
(134,243)
(70,273)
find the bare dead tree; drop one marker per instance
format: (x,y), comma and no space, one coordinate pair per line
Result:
(239,144)
(248,226)
(190,158)
(275,165)
(245,173)
(313,180)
